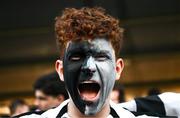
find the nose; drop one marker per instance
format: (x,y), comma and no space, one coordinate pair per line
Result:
(89,66)
(36,102)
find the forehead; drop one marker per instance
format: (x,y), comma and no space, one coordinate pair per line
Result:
(39,93)
(95,44)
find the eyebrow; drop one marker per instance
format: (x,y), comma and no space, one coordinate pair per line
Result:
(41,98)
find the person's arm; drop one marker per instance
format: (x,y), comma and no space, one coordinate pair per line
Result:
(171,103)
(166,104)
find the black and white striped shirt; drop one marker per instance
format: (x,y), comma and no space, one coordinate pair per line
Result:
(61,112)
(166,105)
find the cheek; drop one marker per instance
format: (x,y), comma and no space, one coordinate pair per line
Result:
(45,102)
(107,72)
(71,71)
(73,66)
(106,68)
(48,103)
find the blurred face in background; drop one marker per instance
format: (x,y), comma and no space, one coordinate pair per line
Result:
(45,102)
(20,109)
(115,96)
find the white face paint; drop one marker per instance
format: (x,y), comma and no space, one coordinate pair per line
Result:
(89,72)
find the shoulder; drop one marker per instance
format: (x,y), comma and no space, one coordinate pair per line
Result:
(170,97)
(171,103)
(34,114)
(121,111)
(166,104)
(53,113)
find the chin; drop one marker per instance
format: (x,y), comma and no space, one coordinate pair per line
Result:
(94,108)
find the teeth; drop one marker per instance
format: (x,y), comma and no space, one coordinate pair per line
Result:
(88,82)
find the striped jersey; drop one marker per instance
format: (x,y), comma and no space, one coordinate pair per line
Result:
(166,105)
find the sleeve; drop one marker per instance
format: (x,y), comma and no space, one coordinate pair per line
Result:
(166,104)
(151,104)
(171,103)
(33,114)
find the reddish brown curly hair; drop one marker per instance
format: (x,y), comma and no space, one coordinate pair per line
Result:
(87,23)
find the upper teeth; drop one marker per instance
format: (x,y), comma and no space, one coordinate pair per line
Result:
(87,82)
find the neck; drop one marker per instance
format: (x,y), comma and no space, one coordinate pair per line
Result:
(73,112)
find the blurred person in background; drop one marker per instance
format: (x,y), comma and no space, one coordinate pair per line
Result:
(118,94)
(49,91)
(18,106)
(154,91)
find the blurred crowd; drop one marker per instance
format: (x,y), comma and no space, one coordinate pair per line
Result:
(50,91)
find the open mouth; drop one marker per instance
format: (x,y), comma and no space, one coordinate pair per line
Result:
(89,91)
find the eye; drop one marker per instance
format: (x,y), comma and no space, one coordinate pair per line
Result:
(75,58)
(41,98)
(101,57)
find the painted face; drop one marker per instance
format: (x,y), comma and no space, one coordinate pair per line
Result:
(89,72)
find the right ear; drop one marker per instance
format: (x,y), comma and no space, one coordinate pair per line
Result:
(59,69)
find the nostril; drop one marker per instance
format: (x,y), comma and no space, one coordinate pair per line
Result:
(93,70)
(88,71)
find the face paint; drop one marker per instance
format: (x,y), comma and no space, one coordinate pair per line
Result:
(89,72)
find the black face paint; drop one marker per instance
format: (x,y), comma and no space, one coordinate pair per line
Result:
(89,73)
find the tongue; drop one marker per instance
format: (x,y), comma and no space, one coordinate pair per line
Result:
(88,95)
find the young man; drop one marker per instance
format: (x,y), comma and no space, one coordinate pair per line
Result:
(89,40)
(49,91)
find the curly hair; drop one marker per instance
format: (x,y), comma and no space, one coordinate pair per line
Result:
(87,23)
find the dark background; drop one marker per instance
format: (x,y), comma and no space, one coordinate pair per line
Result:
(27,44)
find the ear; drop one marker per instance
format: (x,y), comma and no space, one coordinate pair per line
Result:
(60,98)
(59,69)
(119,68)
